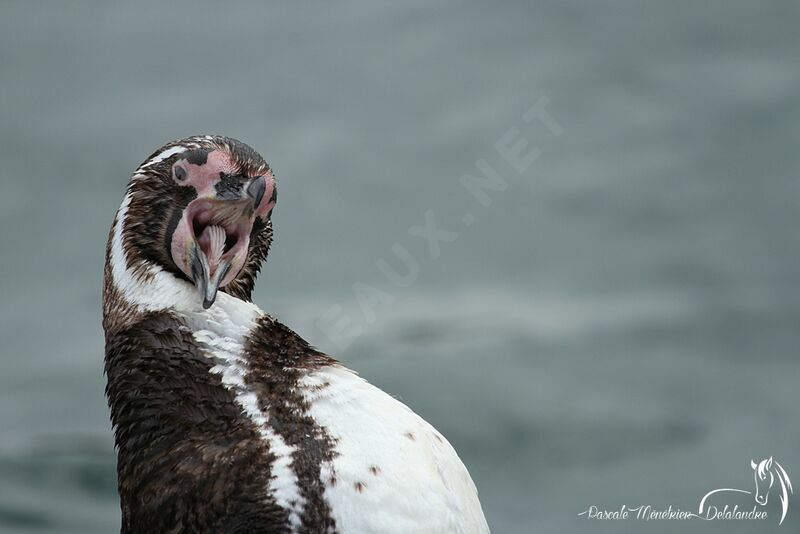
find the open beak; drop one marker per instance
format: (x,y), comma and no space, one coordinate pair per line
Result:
(207,274)
(210,243)
(220,235)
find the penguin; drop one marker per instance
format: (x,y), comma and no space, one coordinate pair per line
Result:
(224,419)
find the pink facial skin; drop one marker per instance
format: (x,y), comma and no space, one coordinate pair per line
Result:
(204,177)
(235,215)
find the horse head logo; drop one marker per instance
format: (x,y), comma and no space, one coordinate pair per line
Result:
(766,473)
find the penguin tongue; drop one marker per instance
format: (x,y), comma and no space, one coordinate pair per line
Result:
(212,241)
(208,267)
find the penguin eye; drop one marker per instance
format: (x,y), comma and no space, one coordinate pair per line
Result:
(179,172)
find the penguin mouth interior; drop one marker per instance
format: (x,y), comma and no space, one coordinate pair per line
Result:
(211,243)
(220,228)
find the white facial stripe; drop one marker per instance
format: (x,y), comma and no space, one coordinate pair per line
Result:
(164,155)
(222,331)
(162,291)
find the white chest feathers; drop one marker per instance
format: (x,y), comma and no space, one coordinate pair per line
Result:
(394,473)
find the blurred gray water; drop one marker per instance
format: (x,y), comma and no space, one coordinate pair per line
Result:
(620,326)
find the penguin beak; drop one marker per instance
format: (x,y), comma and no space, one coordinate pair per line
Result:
(210,243)
(256,190)
(219,235)
(207,283)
